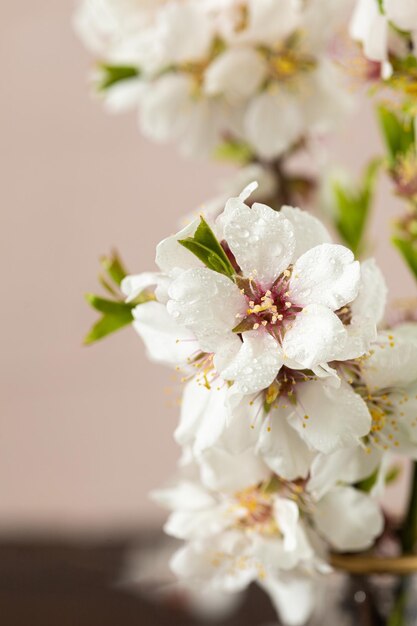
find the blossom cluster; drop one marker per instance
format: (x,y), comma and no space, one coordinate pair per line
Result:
(294,398)
(203,72)
(387,30)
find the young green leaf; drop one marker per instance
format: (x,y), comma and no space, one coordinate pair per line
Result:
(108,324)
(109,307)
(398,132)
(353,205)
(408,250)
(207,248)
(113,74)
(235,151)
(113,266)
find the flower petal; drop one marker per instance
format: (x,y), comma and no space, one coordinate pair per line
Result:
(165,341)
(207,303)
(282,448)
(274,121)
(132,286)
(316,336)
(326,274)
(348,465)
(262,241)
(294,597)
(221,470)
(171,255)
(334,418)
(393,361)
(309,231)
(348,519)
(236,74)
(254,365)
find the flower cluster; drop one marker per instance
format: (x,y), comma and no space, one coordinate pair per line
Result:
(207,71)
(294,397)
(387,30)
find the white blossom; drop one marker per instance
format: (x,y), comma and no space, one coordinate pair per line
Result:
(273,532)
(253,71)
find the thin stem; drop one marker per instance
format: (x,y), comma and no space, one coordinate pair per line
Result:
(409,531)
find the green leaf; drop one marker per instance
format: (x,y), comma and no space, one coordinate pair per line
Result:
(114,267)
(235,151)
(206,247)
(108,324)
(353,207)
(113,74)
(408,250)
(109,307)
(397,131)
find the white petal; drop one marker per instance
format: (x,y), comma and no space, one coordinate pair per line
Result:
(171,255)
(197,523)
(166,108)
(221,470)
(132,286)
(348,519)
(262,241)
(348,465)
(336,417)
(273,123)
(293,597)
(185,32)
(402,12)
(315,336)
(326,274)
(282,448)
(165,341)
(203,416)
(207,303)
(393,361)
(372,296)
(255,363)
(236,74)
(185,496)
(271,21)
(287,514)
(308,230)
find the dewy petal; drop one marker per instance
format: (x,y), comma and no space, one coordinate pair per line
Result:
(287,514)
(255,364)
(165,341)
(314,337)
(293,597)
(262,241)
(133,285)
(326,274)
(367,311)
(171,256)
(236,74)
(372,295)
(282,448)
(207,303)
(273,122)
(393,361)
(308,230)
(334,418)
(348,519)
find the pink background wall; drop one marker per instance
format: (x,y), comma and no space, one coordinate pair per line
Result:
(86,433)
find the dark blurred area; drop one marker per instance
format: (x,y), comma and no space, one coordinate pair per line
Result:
(64,583)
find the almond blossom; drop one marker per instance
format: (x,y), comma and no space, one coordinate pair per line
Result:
(293,298)
(201,72)
(377,26)
(273,532)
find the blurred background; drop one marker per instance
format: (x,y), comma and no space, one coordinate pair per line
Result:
(86,432)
